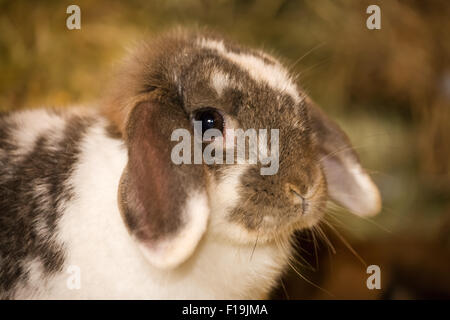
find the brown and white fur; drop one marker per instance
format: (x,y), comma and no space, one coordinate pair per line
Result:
(95,188)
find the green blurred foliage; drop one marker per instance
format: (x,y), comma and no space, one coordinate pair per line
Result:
(388,88)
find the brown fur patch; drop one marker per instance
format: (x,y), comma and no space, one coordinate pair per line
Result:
(153,189)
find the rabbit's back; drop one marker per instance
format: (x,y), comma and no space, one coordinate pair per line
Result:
(39,151)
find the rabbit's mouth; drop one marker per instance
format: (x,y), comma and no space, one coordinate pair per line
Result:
(270,223)
(270,227)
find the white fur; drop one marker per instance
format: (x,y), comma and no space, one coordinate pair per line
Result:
(111,264)
(171,253)
(225,196)
(371,195)
(30,125)
(220,81)
(36,283)
(368,196)
(272,74)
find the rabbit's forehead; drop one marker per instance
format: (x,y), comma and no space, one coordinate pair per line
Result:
(261,68)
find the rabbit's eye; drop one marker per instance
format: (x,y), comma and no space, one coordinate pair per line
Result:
(210,119)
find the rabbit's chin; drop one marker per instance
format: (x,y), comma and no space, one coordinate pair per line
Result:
(268,231)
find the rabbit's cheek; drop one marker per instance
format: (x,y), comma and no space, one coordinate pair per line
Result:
(223,191)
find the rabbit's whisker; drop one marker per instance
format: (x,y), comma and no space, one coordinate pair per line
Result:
(292,66)
(324,237)
(284,289)
(345,242)
(309,281)
(338,210)
(254,246)
(303,263)
(316,254)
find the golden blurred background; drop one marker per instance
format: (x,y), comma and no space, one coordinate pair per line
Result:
(389,89)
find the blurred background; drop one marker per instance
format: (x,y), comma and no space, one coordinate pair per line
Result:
(389,89)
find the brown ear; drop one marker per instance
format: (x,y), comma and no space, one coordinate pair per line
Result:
(348,183)
(164,205)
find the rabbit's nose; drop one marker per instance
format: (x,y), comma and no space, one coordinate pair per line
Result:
(296,197)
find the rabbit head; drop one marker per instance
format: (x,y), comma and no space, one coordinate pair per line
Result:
(183,77)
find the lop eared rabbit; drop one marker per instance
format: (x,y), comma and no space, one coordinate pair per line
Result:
(92,207)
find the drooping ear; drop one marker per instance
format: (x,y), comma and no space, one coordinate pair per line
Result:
(348,183)
(164,205)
